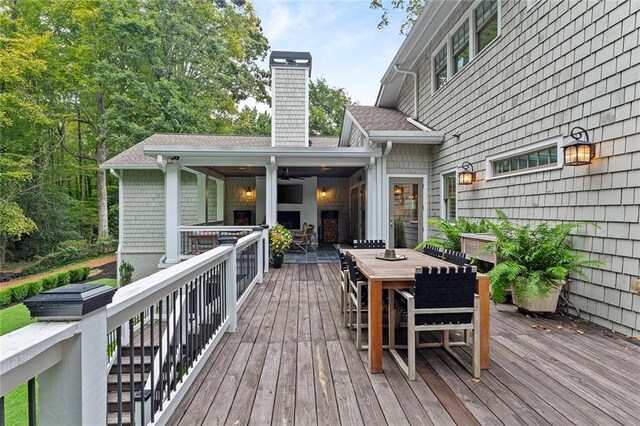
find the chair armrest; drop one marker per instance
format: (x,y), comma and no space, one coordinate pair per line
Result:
(405,294)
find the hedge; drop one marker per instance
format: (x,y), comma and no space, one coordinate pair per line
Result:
(19,292)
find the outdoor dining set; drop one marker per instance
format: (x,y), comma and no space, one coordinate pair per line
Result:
(429,291)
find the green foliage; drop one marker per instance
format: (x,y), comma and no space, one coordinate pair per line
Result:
(14,223)
(452,231)
(412,7)
(535,259)
(398,232)
(326,108)
(49,282)
(250,121)
(13,318)
(280,239)
(62,279)
(19,292)
(5,297)
(75,275)
(55,260)
(85,273)
(35,287)
(126,274)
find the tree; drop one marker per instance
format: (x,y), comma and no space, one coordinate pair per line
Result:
(250,121)
(326,107)
(412,7)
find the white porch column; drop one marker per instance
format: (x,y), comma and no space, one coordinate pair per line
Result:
(172,212)
(219,199)
(372,202)
(203,197)
(271,189)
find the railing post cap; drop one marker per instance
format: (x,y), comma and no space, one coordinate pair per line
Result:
(227,241)
(69,302)
(265,226)
(257,228)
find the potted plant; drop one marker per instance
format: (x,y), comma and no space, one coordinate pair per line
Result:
(280,239)
(451,232)
(536,262)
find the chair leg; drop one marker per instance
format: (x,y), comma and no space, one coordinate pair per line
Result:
(359,320)
(392,319)
(476,338)
(411,346)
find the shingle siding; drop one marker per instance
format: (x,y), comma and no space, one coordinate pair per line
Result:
(143,210)
(290,106)
(555,66)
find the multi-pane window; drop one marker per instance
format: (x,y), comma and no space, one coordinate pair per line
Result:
(460,47)
(532,160)
(486,16)
(440,67)
(449,196)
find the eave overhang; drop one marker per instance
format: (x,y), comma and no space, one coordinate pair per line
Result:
(406,136)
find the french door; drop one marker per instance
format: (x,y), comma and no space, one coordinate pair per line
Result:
(405,212)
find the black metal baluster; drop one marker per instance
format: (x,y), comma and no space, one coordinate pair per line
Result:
(31,391)
(1,410)
(132,398)
(119,372)
(175,352)
(160,351)
(180,336)
(153,357)
(168,368)
(216,298)
(142,368)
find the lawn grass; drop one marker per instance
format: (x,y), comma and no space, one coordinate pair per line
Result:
(111,282)
(13,318)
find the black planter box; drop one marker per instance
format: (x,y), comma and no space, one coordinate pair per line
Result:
(69,302)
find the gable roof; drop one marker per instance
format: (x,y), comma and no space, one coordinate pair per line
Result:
(135,157)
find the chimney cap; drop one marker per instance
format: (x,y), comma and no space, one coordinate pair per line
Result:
(279,58)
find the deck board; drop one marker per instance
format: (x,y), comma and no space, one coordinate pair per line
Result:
(291,361)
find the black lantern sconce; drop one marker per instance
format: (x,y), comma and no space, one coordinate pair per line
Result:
(248,192)
(467,176)
(581,151)
(398,190)
(323,193)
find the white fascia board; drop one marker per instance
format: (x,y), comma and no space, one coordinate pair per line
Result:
(406,136)
(128,166)
(283,151)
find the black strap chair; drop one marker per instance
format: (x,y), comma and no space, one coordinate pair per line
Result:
(344,288)
(444,299)
(456,257)
(358,300)
(369,244)
(432,251)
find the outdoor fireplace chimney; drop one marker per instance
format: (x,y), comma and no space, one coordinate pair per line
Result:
(290,72)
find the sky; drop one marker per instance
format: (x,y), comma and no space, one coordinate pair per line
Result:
(346,46)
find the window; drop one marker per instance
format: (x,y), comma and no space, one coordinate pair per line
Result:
(449,196)
(540,156)
(460,47)
(486,23)
(440,67)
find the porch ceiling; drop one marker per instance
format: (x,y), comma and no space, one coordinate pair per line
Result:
(250,170)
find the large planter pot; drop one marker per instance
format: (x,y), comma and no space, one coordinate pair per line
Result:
(549,303)
(277,260)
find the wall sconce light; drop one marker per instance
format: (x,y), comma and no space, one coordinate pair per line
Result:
(323,193)
(579,152)
(467,176)
(248,193)
(398,190)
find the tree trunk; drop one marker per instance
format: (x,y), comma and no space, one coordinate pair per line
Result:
(101,177)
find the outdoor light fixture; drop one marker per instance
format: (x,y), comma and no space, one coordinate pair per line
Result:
(467,176)
(397,190)
(249,192)
(323,193)
(580,151)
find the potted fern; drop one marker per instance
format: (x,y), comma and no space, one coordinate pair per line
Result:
(280,239)
(536,261)
(451,232)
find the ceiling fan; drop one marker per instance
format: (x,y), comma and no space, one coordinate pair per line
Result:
(285,175)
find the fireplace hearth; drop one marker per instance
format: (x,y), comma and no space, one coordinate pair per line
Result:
(290,220)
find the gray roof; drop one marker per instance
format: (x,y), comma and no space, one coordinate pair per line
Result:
(376,118)
(135,157)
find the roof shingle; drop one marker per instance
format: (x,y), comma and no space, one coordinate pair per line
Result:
(376,118)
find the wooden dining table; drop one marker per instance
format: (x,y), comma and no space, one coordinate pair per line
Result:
(400,274)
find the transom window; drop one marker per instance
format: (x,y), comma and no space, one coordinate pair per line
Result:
(449,196)
(540,156)
(486,23)
(460,44)
(440,67)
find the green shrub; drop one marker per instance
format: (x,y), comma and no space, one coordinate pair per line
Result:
(56,259)
(19,292)
(35,287)
(85,273)
(126,274)
(5,297)
(449,237)
(75,275)
(80,245)
(62,279)
(49,282)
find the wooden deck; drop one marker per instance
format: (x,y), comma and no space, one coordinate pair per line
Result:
(291,361)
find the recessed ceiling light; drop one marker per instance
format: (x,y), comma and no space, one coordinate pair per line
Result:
(242,168)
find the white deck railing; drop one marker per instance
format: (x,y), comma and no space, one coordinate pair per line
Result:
(191,235)
(170,321)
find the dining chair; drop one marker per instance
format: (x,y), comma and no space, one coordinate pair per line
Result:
(443,299)
(358,300)
(456,257)
(368,244)
(432,251)
(344,288)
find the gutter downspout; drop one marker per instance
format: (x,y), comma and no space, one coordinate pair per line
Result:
(120,227)
(415,87)
(385,192)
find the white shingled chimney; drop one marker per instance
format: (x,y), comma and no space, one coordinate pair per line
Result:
(290,72)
